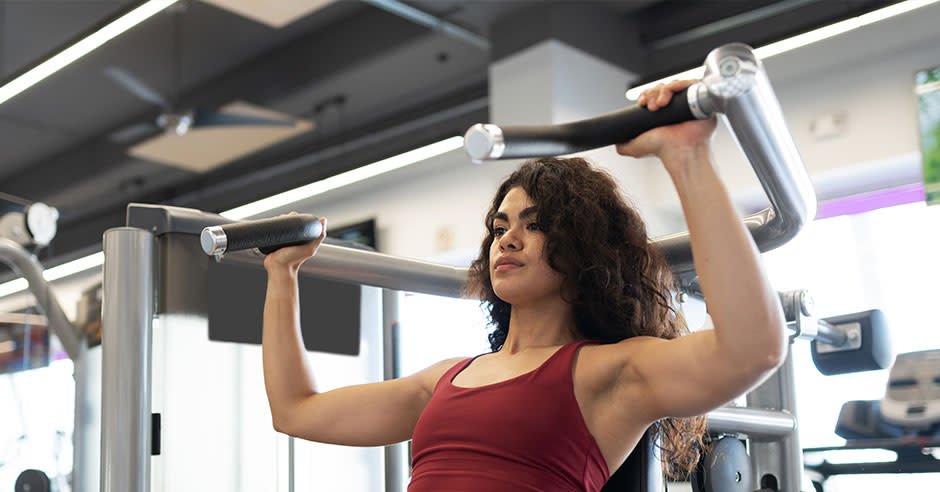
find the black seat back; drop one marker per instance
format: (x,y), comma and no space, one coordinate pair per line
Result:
(641,472)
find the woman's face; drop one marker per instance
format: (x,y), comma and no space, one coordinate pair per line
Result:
(519,269)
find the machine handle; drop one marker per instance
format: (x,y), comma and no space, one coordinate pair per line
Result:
(265,235)
(735,85)
(488,141)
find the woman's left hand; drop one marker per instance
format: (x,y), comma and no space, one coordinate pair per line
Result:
(672,142)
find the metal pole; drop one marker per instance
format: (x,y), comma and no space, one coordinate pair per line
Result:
(782,456)
(394,454)
(79,434)
(755,422)
(126,324)
(435,23)
(26,264)
(343,264)
(829,334)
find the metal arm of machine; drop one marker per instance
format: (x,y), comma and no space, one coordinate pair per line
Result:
(24,263)
(735,85)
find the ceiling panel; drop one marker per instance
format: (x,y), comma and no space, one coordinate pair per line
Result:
(19,139)
(31,30)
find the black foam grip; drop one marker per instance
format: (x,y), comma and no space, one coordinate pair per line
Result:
(269,235)
(601,131)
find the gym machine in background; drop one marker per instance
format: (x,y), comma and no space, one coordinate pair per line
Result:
(756,447)
(906,421)
(164,254)
(32,229)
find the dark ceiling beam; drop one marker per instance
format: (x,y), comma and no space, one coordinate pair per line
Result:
(286,69)
(779,24)
(727,23)
(590,27)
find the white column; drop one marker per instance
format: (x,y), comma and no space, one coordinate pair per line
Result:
(553,82)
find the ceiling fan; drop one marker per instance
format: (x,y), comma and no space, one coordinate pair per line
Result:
(174,120)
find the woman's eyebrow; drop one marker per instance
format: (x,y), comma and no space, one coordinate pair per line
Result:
(526,212)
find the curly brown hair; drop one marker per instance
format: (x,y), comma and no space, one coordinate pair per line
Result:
(617,282)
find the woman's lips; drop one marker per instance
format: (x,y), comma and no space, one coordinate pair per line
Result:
(505,267)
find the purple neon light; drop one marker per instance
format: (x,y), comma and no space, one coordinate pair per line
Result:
(867,202)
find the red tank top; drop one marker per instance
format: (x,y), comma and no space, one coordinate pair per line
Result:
(522,434)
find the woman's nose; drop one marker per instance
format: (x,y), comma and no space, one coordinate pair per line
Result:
(509,241)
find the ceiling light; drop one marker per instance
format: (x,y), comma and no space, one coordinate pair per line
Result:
(860,456)
(800,40)
(346,178)
(359,174)
(64,270)
(13,286)
(82,48)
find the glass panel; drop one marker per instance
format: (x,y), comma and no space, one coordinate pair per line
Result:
(436,328)
(36,422)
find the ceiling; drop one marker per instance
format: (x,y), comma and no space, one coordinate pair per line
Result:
(371,83)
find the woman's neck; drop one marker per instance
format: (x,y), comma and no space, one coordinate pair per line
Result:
(539,326)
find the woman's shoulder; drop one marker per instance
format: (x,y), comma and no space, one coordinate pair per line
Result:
(429,376)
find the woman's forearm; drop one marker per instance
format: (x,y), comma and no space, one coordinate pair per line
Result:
(287,377)
(743,305)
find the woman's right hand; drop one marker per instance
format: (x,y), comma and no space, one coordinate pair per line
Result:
(291,257)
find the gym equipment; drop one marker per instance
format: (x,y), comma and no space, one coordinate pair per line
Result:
(769,420)
(912,399)
(904,421)
(726,468)
(32,481)
(35,227)
(147,248)
(264,235)
(840,344)
(734,85)
(867,345)
(862,419)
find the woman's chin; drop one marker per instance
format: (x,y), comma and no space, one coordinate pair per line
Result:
(510,295)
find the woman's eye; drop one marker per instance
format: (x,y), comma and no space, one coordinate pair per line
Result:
(534,227)
(499,231)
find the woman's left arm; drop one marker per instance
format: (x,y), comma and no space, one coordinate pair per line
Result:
(696,373)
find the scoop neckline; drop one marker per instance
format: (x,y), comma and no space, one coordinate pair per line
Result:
(450,380)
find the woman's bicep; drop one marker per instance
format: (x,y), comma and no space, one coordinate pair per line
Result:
(372,414)
(684,377)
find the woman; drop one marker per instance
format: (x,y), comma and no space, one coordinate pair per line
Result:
(585,355)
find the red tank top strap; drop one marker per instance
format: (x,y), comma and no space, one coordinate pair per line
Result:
(560,364)
(451,373)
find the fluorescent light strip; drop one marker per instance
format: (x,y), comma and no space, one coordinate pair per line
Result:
(801,40)
(347,178)
(861,456)
(64,270)
(359,174)
(82,48)
(13,286)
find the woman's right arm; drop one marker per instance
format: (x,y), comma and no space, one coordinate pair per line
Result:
(363,415)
